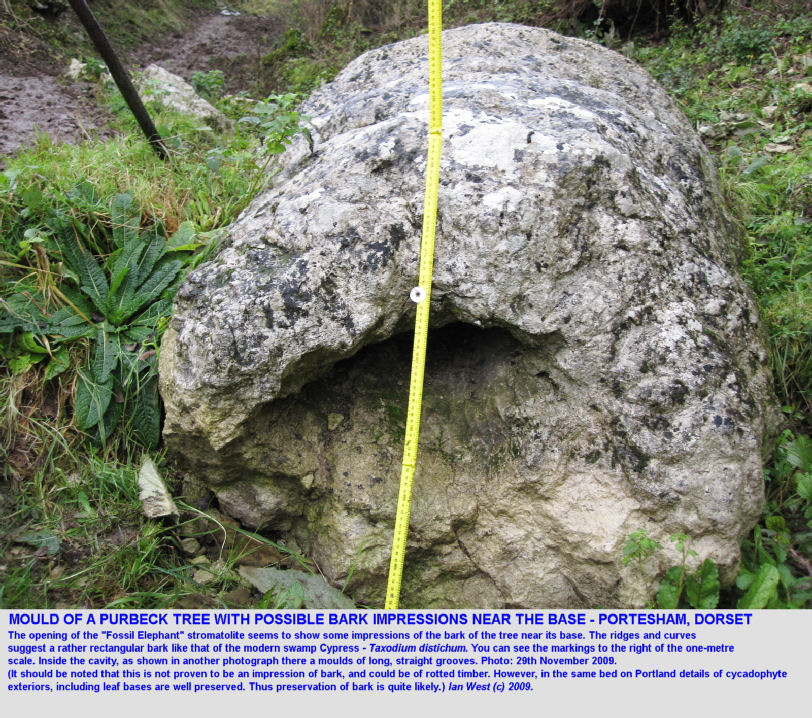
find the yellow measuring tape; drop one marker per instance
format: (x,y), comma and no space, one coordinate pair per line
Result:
(422,295)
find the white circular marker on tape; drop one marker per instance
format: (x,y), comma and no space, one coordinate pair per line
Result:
(417,295)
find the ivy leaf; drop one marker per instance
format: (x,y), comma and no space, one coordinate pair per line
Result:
(702,587)
(762,588)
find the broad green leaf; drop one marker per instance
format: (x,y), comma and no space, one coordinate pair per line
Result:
(702,587)
(138,333)
(127,255)
(125,224)
(146,413)
(763,587)
(805,486)
(787,579)
(155,248)
(20,312)
(183,238)
(69,247)
(91,277)
(59,362)
(47,540)
(799,453)
(85,193)
(94,283)
(28,341)
(745,579)
(8,325)
(92,398)
(669,594)
(775,523)
(77,301)
(155,311)
(105,357)
(159,280)
(66,323)
(108,423)
(116,280)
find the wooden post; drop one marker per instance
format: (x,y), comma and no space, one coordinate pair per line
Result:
(122,79)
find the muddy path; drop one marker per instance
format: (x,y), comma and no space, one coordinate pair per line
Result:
(37,97)
(234,44)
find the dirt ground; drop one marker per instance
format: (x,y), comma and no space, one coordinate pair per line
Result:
(36,96)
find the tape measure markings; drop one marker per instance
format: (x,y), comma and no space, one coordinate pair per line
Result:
(423,301)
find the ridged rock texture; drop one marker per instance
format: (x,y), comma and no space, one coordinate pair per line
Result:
(595,365)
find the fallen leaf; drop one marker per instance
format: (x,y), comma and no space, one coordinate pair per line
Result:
(154,496)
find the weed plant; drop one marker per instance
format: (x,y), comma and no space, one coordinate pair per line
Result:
(94,240)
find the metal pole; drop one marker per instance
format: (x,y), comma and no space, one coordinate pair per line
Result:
(122,79)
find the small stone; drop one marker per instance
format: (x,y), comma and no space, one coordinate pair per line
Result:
(56,571)
(334,421)
(190,546)
(769,111)
(203,577)
(208,574)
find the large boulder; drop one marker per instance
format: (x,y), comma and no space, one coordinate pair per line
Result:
(595,365)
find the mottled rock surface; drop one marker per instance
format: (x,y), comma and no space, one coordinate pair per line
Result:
(596,366)
(174,93)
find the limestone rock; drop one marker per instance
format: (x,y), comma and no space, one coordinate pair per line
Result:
(596,364)
(176,94)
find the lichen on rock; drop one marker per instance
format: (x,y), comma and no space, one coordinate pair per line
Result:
(595,367)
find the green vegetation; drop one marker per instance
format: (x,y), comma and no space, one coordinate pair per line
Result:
(26,35)
(745,80)
(94,241)
(95,238)
(746,83)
